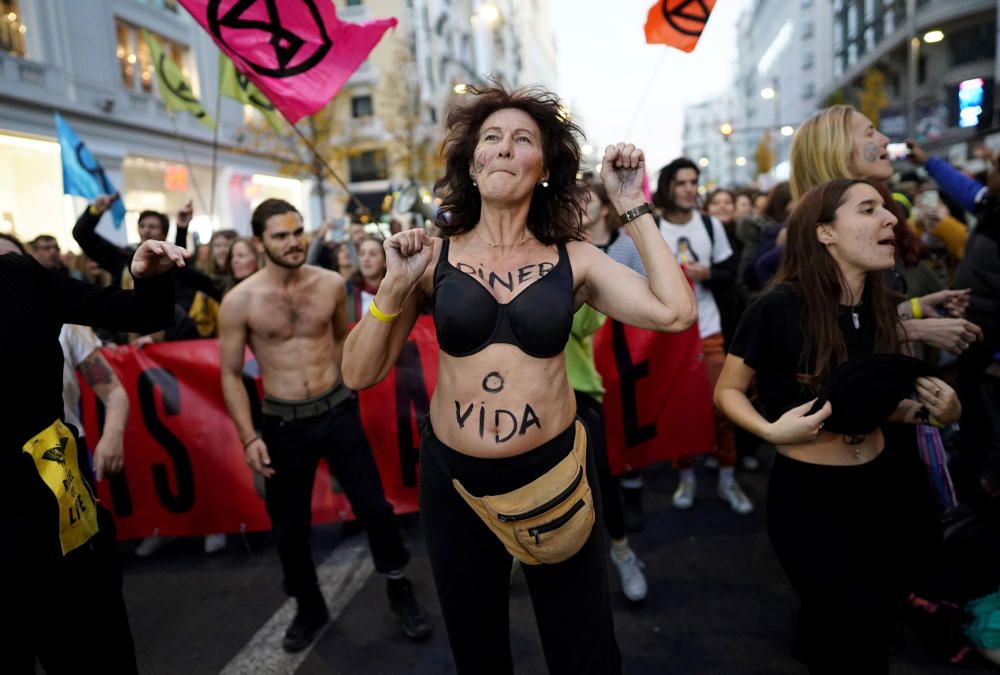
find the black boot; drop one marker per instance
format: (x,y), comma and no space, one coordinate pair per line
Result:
(404,605)
(310,617)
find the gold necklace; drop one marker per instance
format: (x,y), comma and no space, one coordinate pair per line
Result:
(525,238)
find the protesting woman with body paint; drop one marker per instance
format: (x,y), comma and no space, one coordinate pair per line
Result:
(505,466)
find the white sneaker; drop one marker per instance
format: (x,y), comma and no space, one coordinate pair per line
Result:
(214,543)
(733,494)
(684,495)
(151,545)
(633,580)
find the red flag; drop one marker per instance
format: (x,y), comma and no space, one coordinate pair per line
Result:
(297,52)
(678,23)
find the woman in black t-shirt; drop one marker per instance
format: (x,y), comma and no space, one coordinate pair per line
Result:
(829,518)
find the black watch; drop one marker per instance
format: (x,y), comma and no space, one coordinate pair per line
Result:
(632,214)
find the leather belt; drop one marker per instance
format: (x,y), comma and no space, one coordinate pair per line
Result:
(298,410)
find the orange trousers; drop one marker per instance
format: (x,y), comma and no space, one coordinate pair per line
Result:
(725,441)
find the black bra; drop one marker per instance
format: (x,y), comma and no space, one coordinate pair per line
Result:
(468,318)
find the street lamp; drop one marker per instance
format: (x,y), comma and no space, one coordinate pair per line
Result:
(787,130)
(933,36)
(703,162)
(488,14)
(767,93)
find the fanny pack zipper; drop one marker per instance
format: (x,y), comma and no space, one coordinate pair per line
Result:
(555,524)
(547,506)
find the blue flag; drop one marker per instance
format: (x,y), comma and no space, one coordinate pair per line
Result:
(82,175)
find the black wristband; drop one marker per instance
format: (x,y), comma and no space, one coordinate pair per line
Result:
(632,214)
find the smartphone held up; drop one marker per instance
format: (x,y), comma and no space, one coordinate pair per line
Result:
(897,151)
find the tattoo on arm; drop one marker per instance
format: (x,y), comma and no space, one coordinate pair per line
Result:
(96,370)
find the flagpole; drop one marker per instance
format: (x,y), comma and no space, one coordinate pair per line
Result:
(642,99)
(187,160)
(362,207)
(215,144)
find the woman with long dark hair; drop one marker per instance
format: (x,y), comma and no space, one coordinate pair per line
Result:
(505,466)
(831,518)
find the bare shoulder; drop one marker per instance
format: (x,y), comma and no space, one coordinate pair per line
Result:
(581,255)
(326,279)
(237,298)
(322,275)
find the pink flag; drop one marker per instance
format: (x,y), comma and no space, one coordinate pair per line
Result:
(297,52)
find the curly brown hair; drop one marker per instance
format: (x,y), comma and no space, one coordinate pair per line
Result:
(556,212)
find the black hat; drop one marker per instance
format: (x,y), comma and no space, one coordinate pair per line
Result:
(865,391)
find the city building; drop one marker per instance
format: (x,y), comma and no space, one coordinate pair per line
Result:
(715,152)
(89,62)
(950,102)
(396,108)
(785,63)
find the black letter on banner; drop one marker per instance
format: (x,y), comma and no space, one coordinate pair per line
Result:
(121,498)
(628,374)
(411,393)
(162,379)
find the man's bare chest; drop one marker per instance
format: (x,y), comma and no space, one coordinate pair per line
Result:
(276,315)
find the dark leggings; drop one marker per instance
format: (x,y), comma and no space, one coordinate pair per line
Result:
(831,528)
(472,568)
(588,409)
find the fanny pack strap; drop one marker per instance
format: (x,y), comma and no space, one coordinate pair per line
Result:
(579,450)
(426,431)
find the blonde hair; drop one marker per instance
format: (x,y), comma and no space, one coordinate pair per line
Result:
(821,149)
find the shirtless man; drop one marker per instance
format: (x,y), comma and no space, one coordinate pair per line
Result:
(294,318)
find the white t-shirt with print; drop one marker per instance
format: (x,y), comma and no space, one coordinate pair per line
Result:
(77,342)
(690,242)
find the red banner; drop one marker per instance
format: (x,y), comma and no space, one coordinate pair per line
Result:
(184,468)
(657,403)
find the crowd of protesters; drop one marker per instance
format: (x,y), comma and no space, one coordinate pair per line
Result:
(851,259)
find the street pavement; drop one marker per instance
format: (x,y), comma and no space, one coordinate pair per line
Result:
(718,603)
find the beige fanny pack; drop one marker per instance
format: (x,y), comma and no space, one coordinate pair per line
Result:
(549,519)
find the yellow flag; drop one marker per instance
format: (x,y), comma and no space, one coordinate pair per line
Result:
(175,90)
(235,85)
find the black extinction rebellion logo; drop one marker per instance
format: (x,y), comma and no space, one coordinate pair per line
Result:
(687,17)
(253,95)
(293,52)
(181,89)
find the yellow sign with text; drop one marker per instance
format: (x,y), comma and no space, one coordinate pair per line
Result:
(54,451)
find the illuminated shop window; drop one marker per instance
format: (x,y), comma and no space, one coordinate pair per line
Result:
(12,29)
(135,61)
